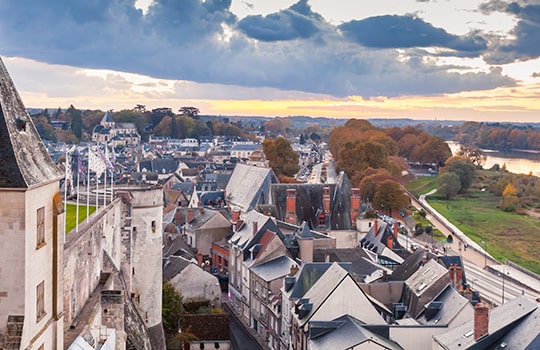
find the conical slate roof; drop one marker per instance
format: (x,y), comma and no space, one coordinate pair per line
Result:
(24,161)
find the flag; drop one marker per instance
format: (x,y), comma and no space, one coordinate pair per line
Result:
(110,159)
(95,164)
(80,167)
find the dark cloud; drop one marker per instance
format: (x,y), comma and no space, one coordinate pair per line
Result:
(525,42)
(296,22)
(294,49)
(406,32)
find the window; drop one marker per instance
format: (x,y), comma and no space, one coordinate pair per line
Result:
(40,237)
(40,301)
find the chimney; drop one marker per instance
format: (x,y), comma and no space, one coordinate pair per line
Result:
(199,258)
(481,320)
(396,229)
(390,242)
(459,277)
(376,227)
(326,200)
(290,215)
(235,214)
(355,205)
(384,276)
(327,256)
(294,270)
(255,227)
(452,274)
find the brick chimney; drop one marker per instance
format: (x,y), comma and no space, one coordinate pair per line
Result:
(459,277)
(355,205)
(199,258)
(390,242)
(396,231)
(452,274)
(326,200)
(376,227)
(235,214)
(481,320)
(290,215)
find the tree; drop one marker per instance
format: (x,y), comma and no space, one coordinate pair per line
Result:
(282,158)
(192,112)
(172,307)
(473,154)
(463,168)
(368,185)
(75,116)
(390,196)
(449,184)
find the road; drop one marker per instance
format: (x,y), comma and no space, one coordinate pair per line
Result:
(492,286)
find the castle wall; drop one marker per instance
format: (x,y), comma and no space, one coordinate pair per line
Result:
(83,257)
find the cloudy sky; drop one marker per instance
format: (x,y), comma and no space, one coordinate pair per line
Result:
(425,59)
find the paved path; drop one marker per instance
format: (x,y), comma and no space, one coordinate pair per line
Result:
(472,252)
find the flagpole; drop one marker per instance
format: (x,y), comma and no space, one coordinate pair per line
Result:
(88,193)
(77,207)
(65,196)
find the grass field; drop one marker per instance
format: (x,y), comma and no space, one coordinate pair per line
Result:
(509,236)
(71,215)
(422,184)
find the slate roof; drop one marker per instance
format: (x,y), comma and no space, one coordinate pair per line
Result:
(308,275)
(360,265)
(502,320)
(408,267)
(346,332)
(244,234)
(328,284)
(249,186)
(274,269)
(23,157)
(309,202)
(526,334)
(107,118)
(173,265)
(445,307)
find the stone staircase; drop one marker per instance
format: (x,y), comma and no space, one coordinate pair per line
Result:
(14,332)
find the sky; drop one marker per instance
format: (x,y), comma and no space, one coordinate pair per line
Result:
(420,59)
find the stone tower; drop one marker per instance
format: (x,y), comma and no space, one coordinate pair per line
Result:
(31,213)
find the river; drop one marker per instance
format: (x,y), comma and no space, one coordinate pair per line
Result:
(518,162)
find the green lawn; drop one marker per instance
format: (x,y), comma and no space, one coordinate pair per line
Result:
(71,215)
(508,235)
(422,184)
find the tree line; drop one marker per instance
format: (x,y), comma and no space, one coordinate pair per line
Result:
(77,125)
(497,136)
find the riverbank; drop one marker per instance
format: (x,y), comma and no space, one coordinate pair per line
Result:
(505,235)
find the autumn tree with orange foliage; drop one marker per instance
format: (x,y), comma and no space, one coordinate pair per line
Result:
(281,157)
